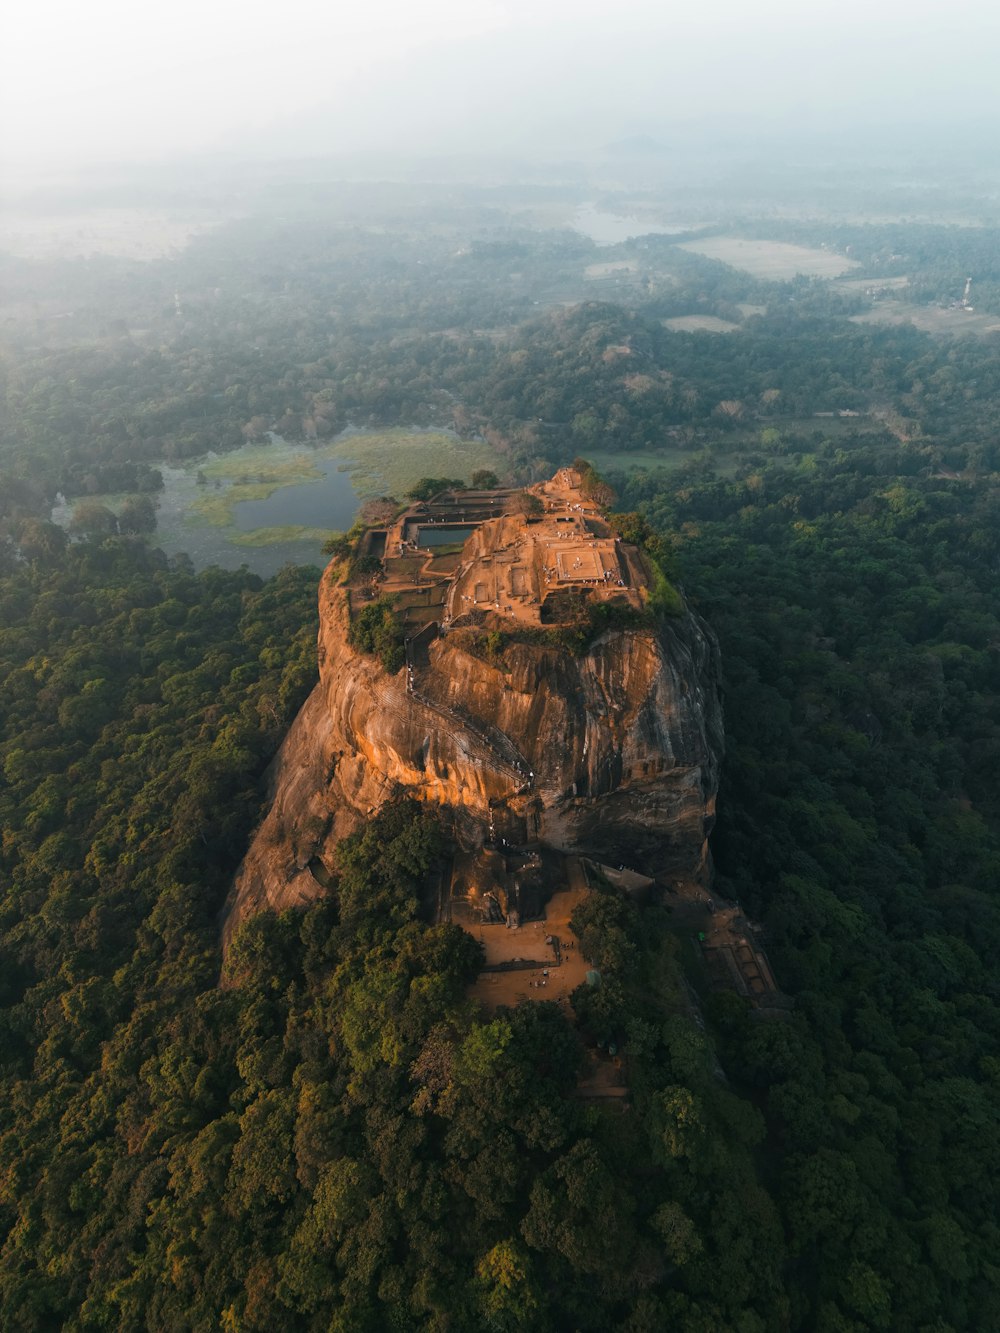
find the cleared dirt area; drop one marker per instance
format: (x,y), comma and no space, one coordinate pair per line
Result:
(700,324)
(956,323)
(546,979)
(771,259)
(877,284)
(604,1078)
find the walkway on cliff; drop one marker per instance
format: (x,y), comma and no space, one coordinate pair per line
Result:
(494,740)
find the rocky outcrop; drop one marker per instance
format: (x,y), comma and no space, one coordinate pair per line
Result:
(614,753)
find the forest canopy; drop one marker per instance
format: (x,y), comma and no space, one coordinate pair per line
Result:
(324,1132)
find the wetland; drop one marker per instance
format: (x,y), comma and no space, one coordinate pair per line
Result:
(272,503)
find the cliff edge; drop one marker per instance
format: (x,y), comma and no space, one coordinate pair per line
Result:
(532,693)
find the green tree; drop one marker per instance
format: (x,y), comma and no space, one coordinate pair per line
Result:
(507,1298)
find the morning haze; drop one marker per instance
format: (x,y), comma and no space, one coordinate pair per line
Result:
(100,83)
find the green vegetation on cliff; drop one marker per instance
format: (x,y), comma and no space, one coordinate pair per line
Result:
(376,629)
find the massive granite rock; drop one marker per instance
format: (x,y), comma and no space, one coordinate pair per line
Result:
(613,753)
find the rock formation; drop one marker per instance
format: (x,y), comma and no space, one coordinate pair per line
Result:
(518,736)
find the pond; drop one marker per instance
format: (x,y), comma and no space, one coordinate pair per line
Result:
(606,228)
(443,535)
(272,503)
(199,512)
(327,502)
(185,521)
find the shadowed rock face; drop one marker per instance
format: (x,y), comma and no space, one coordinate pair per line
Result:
(614,753)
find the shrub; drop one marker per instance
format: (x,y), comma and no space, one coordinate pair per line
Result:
(664,599)
(376,630)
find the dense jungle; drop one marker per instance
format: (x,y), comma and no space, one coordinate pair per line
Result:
(321,1131)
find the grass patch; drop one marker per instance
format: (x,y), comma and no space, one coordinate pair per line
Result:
(664,599)
(263,464)
(290,532)
(390,462)
(446,564)
(447,549)
(664,459)
(862,284)
(700,324)
(408,566)
(932,319)
(251,483)
(216,507)
(639,458)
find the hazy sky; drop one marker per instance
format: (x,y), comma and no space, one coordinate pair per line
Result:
(104,80)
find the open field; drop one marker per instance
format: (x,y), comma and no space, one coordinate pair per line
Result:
(389,462)
(655,459)
(700,324)
(750,438)
(648,458)
(956,323)
(126,233)
(828,423)
(280,460)
(774,260)
(725,453)
(862,284)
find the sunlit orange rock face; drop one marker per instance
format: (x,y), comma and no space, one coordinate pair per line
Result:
(613,753)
